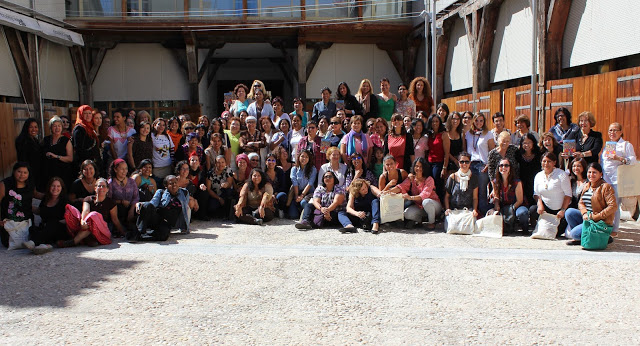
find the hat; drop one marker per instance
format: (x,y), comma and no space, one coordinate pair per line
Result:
(251,117)
(252,155)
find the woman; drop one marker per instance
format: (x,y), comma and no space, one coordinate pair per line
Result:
(93,226)
(255,204)
(588,142)
(281,138)
(242,174)
(85,184)
(84,138)
(578,176)
(439,151)
(406,120)
(363,209)
(356,141)
(58,154)
(597,202)
(404,105)
(140,117)
(522,123)
(192,147)
(498,125)
(28,149)
(420,139)
(335,133)
(204,121)
(197,187)
(312,142)
(51,210)
(268,132)
(201,131)
(218,127)
(252,140)
(420,196)
(124,193)
(563,128)
(358,169)
(380,134)
(297,132)
(548,143)
(479,144)
(442,110)
(257,84)
(303,178)
(241,102)
(277,178)
(233,133)
(163,150)
(118,134)
(220,188)
(462,188)
(324,107)
(350,104)
(399,143)
(147,186)
(392,175)
(328,201)
(101,128)
(509,198)
(175,131)
(187,128)
(504,150)
(467,122)
(298,108)
(216,149)
(552,186)
(284,162)
(334,165)
(140,145)
(420,93)
(66,126)
(368,101)
(528,158)
(386,100)
(16,194)
(260,108)
(278,111)
(457,143)
(323,126)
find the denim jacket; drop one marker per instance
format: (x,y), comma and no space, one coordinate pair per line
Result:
(162,198)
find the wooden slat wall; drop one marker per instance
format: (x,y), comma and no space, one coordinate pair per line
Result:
(489,102)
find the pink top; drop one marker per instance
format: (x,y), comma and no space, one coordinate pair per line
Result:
(426,190)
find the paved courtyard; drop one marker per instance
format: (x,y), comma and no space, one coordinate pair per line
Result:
(238,284)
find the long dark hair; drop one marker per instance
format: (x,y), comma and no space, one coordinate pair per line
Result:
(309,167)
(425,167)
(24,133)
(340,97)
(263,179)
(17,166)
(413,126)
(498,180)
(430,131)
(47,192)
(168,124)
(536,149)
(351,170)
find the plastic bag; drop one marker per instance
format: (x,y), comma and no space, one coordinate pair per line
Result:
(547,227)
(391,207)
(461,222)
(489,226)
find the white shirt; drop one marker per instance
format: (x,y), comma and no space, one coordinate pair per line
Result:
(162,147)
(267,111)
(119,140)
(478,146)
(552,190)
(610,167)
(341,173)
(296,136)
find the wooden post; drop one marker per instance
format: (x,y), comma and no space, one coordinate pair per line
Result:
(442,49)
(302,70)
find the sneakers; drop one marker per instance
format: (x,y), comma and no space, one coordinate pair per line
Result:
(281,214)
(42,249)
(303,225)
(29,245)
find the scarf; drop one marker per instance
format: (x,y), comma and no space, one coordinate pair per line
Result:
(87,125)
(351,142)
(464,179)
(365,101)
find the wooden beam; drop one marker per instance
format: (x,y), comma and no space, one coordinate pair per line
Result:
(191,52)
(213,70)
(442,49)
(285,71)
(302,70)
(317,50)
(95,65)
(396,63)
(22,61)
(556,23)
(205,64)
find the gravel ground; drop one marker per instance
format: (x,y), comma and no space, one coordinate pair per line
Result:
(238,284)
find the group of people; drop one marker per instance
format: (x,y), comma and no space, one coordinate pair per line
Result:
(140,177)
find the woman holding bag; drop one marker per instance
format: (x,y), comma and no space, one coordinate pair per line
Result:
(597,203)
(552,188)
(509,198)
(461,190)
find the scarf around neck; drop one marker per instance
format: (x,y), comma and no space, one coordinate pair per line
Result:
(464,179)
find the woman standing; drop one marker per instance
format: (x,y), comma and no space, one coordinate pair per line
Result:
(260,108)
(523,124)
(312,142)
(268,132)
(118,134)
(368,101)
(404,105)
(140,145)
(454,129)
(351,106)
(297,132)
(298,108)
(233,133)
(255,205)
(386,100)
(467,122)
(163,150)
(528,158)
(283,136)
(588,142)
(325,107)
(84,138)
(175,131)
(123,192)
(16,194)
(597,202)
(252,140)
(420,93)
(278,109)
(29,150)
(563,128)
(509,198)
(241,102)
(442,110)
(420,140)
(553,188)
(504,150)
(399,144)
(439,151)
(356,141)
(479,144)
(58,153)
(216,149)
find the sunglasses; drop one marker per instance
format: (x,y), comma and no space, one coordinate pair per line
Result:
(189,128)
(271,160)
(327,177)
(255,160)
(335,123)
(357,158)
(466,118)
(256,85)
(504,165)
(464,162)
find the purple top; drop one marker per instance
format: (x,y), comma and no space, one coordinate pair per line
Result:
(127,192)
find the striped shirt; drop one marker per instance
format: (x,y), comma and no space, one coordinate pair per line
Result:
(586,199)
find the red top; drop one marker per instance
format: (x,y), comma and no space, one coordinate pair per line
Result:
(396,149)
(424,105)
(436,149)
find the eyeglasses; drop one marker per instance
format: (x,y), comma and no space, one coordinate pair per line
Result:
(189,128)
(255,160)
(357,158)
(504,165)
(370,125)
(327,177)
(271,160)
(335,123)
(466,118)
(464,162)
(256,85)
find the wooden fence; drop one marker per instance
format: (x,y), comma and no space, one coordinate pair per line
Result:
(611,97)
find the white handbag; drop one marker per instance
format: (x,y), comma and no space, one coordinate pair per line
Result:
(489,226)
(547,227)
(391,207)
(461,222)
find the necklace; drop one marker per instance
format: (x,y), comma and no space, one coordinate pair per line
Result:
(122,182)
(90,183)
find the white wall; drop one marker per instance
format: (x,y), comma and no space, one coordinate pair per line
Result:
(458,69)
(511,54)
(57,76)
(9,83)
(600,30)
(140,72)
(351,63)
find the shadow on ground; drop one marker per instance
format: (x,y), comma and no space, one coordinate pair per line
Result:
(628,239)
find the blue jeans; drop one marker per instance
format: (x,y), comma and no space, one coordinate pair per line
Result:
(483,183)
(436,170)
(295,208)
(521,217)
(574,219)
(281,201)
(346,218)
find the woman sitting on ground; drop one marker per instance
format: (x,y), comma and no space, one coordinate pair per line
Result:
(53,227)
(85,185)
(553,188)
(328,200)
(276,177)
(421,199)
(508,198)
(220,188)
(303,179)
(168,209)
(99,216)
(363,209)
(255,205)
(597,202)
(462,188)
(146,185)
(392,176)
(124,193)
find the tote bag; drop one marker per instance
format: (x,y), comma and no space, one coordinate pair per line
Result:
(391,207)
(547,227)
(461,222)
(489,226)
(595,235)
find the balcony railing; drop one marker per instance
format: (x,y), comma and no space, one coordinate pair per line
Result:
(237,9)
